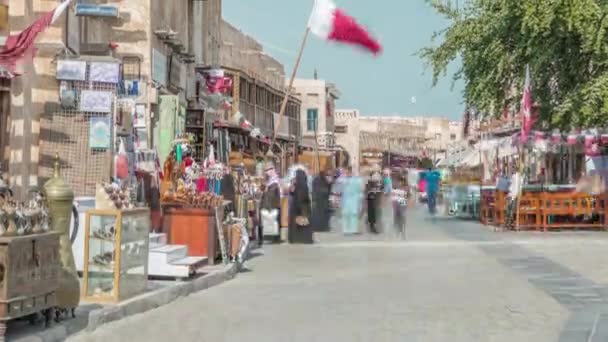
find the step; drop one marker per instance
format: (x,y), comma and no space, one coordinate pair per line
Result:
(169,253)
(157,239)
(190,261)
(181,268)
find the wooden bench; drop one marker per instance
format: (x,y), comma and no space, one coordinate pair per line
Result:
(572,210)
(500,208)
(529,212)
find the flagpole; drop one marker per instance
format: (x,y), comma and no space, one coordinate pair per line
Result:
(522,152)
(288,90)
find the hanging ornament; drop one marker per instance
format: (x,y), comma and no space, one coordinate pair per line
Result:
(590,139)
(556,138)
(539,136)
(572,139)
(593,150)
(604,139)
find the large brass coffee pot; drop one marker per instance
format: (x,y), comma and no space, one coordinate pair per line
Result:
(60,199)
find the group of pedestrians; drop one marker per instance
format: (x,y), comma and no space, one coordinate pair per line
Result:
(383,202)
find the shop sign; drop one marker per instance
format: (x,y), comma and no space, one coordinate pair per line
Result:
(90,10)
(159,67)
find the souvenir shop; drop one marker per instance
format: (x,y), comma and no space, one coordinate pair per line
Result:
(211,178)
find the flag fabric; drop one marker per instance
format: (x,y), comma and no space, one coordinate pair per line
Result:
(331,23)
(526,106)
(21,45)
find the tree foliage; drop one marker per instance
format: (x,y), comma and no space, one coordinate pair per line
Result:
(563,41)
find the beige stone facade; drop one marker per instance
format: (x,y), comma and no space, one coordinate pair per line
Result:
(38,129)
(318,108)
(259,85)
(431,133)
(347,134)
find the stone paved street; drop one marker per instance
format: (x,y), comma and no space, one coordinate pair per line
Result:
(450,281)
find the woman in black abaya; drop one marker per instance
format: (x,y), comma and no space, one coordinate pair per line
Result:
(299,211)
(321,189)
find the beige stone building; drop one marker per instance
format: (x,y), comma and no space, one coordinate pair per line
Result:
(260,84)
(156,44)
(318,99)
(432,133)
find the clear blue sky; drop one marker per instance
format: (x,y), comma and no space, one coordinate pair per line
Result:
(382,85)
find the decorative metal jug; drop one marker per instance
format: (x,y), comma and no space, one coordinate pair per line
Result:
(60,198)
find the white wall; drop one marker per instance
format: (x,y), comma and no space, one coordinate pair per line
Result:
(350,139)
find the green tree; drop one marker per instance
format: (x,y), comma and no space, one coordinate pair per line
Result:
(563,41)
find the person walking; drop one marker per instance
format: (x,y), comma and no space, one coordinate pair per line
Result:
(352,195)
(432,179)
(387,208)
(321,189)
(270,206)
(374,191)
(300,231)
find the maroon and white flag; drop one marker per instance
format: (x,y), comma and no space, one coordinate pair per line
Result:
(526,106)
(333,24)
(21,45)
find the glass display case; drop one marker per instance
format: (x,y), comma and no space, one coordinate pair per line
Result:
(116,254)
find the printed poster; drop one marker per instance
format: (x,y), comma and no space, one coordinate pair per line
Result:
(105,72)
(71,70)
(139,119)
(96,101)
(141,139)
(100,136)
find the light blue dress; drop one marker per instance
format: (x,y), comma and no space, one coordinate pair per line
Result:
(352,195)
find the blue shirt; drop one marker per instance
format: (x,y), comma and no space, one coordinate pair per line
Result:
(432,179)
(388,185)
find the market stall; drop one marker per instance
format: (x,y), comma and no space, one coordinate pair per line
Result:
(462,183)
(554,165)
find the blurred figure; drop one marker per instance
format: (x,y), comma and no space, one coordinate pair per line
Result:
(352,194)
(432,179)
(387,210)
(299,211)
(387,182)
(270,205)
(321,189)
(374,191)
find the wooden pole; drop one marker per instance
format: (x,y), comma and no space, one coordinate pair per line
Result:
(316,161)
(520,185)
(288,90)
